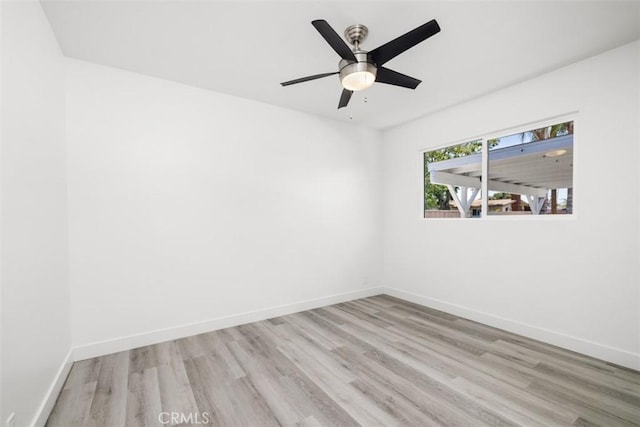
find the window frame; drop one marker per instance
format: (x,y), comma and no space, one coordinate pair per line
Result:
(484,137)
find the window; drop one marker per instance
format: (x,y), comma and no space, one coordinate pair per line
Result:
(526,173)
(531,173)
(447,193)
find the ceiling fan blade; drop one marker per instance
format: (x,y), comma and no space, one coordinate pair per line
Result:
(306,79)
(395,47)
(334,40)
(395,78)
(344,98)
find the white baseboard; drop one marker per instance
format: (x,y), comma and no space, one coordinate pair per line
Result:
(600,351)
(100,348)
(589,348)
(54,390)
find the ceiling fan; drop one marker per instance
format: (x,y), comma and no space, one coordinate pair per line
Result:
(358,68)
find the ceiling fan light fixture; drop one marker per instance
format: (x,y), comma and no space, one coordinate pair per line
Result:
(357,76)
(358,80)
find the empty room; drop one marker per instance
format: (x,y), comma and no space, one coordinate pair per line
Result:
(319,213)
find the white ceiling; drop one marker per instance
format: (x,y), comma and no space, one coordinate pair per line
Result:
(247,48)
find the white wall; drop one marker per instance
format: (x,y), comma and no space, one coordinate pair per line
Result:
(186,206)
(34,253)
(571,282)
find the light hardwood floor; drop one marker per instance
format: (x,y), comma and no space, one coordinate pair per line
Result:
(374,361)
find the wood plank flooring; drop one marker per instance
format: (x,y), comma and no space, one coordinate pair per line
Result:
(370,362)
